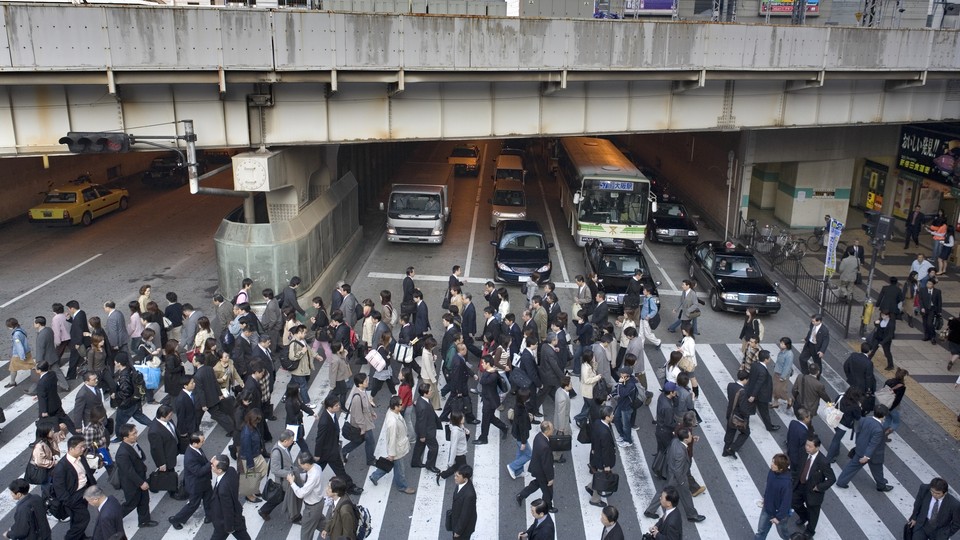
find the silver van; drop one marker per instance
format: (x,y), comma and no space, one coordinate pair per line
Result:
(508,202)
(510,166)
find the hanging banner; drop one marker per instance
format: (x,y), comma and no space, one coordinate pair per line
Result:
(830,263)
(933,155)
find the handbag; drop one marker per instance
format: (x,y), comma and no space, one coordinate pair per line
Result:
(151,376)
(35,474)
(694,312)
(384,464)
(273,492)
(448,520)
(654,321)
(105,456)
(606,483)
(831,414)
(375,359)
(561,442)
(736,421)
(583,437)
(885,396)
(349,431)
(162,481)
(114,478)
(519,379)
(403,353)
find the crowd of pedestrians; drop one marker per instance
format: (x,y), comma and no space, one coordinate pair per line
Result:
(520,356)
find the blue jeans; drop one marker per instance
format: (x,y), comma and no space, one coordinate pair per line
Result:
(303,382)
(765,524)
(135,412)
(399,477)
(892,421)
(678,323)
(577,355)
(834,451)
(370,443)
(623,419)
(523,456)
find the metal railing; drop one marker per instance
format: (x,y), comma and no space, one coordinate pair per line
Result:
(817,288)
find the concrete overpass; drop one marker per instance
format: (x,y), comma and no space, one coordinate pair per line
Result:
(298,77)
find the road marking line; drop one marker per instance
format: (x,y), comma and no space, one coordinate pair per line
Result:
(486,480)
(49,281)
(480,280)
(656,263)
(553,231)
(476,211)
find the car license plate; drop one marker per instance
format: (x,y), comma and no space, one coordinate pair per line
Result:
(47,214)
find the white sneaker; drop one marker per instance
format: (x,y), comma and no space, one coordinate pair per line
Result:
(623,444)
(513,475)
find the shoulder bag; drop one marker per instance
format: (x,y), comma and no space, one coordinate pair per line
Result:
(351,432)
(736,421)
(831,413)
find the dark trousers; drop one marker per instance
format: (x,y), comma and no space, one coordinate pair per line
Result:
(809,353)
(221,417)
(806,512)
(239,534)
(79,519)
(763,411)
(489,417)
(62,348)
(193,503)
(336,465)
(929,332)
(72,366)
(734,438)
(461,403)
(457,462)
(139,500)
(540,484)
(911,234)
(63,418)
(124,414)
(340,390)
(433,448)
(546,390)
(377,384)
(886,352)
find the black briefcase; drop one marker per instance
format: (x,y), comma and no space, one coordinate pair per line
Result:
(606,483)
(561,442)
(384,464)
(163,481)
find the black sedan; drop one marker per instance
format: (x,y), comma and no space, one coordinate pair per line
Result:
(671,223)
(732,277)
(615,261)
(520,249)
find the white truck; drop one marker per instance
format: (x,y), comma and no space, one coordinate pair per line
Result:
(418,209)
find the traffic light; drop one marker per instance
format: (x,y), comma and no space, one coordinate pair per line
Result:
(877,225)
(872,218)
(96,142)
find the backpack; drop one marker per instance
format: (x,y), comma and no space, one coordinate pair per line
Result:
(394,316)
(227,340)
(358,311)
(364,522)
(286,362)
(139,386)
(759,330)
(601,390)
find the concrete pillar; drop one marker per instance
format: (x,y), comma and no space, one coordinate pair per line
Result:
(764,178)
(807,190)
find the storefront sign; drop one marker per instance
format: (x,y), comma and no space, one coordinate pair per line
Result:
(903,198)
(933,155)
(785,7)
(872,183)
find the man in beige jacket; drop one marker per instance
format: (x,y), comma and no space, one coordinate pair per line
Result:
(361,415)
(398,446)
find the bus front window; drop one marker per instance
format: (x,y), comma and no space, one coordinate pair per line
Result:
(622,206)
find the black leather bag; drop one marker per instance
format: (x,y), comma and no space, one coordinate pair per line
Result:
(163,481)
(654,321)
(561,442)
(384,464)
(351,432)
(35,474)
(273,492)
(583,437)
(448,520)
(606,483)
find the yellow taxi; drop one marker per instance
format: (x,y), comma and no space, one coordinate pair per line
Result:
(79,201)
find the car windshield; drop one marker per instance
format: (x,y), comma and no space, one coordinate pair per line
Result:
(671,210)
(505,174)
(732,266)
(623,202)
(505,197)
(522,241)
(59,197)
(620,264)
(464,152)
(415,205)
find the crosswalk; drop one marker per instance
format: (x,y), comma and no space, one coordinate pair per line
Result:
(730,503)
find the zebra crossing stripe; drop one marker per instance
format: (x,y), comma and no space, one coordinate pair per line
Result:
(487,472)
(580,459)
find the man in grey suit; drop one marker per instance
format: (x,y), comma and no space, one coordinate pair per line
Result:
(189,330)
(869,450)
(678,469)
(88,396)
(116,328)
(46,351)
(224,314)
(688,300)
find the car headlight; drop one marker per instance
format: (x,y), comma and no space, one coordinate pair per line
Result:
(521,214)
(496,213)
(730,297)
(613,299)
(663,231)
(504,267)
(391,230)
(693,233)
(544,268)
(773,299)
(437,232)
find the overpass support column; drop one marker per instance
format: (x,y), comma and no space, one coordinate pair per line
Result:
(809,189)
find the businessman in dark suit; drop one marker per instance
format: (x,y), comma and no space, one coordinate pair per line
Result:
(131,461)
(210,400)
(800,428)
(668,527)
(601,311)
(858,370)
(408,285)
(931,302)
(88,396)
(468,325)
(68,487)
(464,512)
(734,439)
(79,343)
(48,399)
(197,476)
(516,334)
(490,399)
(528,363)
(327,446)
(109,514)
(30,514)
(759,389)
(814,344)
(541,468)
(603,451)
(421,323)
(609,518)
(226,513)
(491,325)
(186,408)
(165,444)
(452,281)
(869,450)
(543,527)
(913,226)
(811,484)
(425,427)
(936,513)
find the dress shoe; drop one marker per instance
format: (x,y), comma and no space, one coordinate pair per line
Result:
(725,453)
(773,428)
(408,491)
(841,486)
(589,490)
(254,500)
(355,490)
(697,519)
(265,517)
(887,487)
(597,504)
(480,441)
(437,477)
(416,466)
(207,520)
(434,470)
(296,520)
(150,523)
(561,460)
(175,525)
(699,491)
(651,515)
(179,496)
(473,422)
(553,509)
(519,500)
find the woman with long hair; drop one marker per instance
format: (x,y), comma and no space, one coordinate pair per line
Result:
(174,372)
(204,332)
(428,369)
(148,354)
(294,408)
(46,450)
(385,375)
(750,328)
(134,324)
(688,363)
(251,463)
(520,430)
(405,391)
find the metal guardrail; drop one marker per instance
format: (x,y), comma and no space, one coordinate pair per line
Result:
(816,288)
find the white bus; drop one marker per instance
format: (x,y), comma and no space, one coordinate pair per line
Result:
(603,194)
